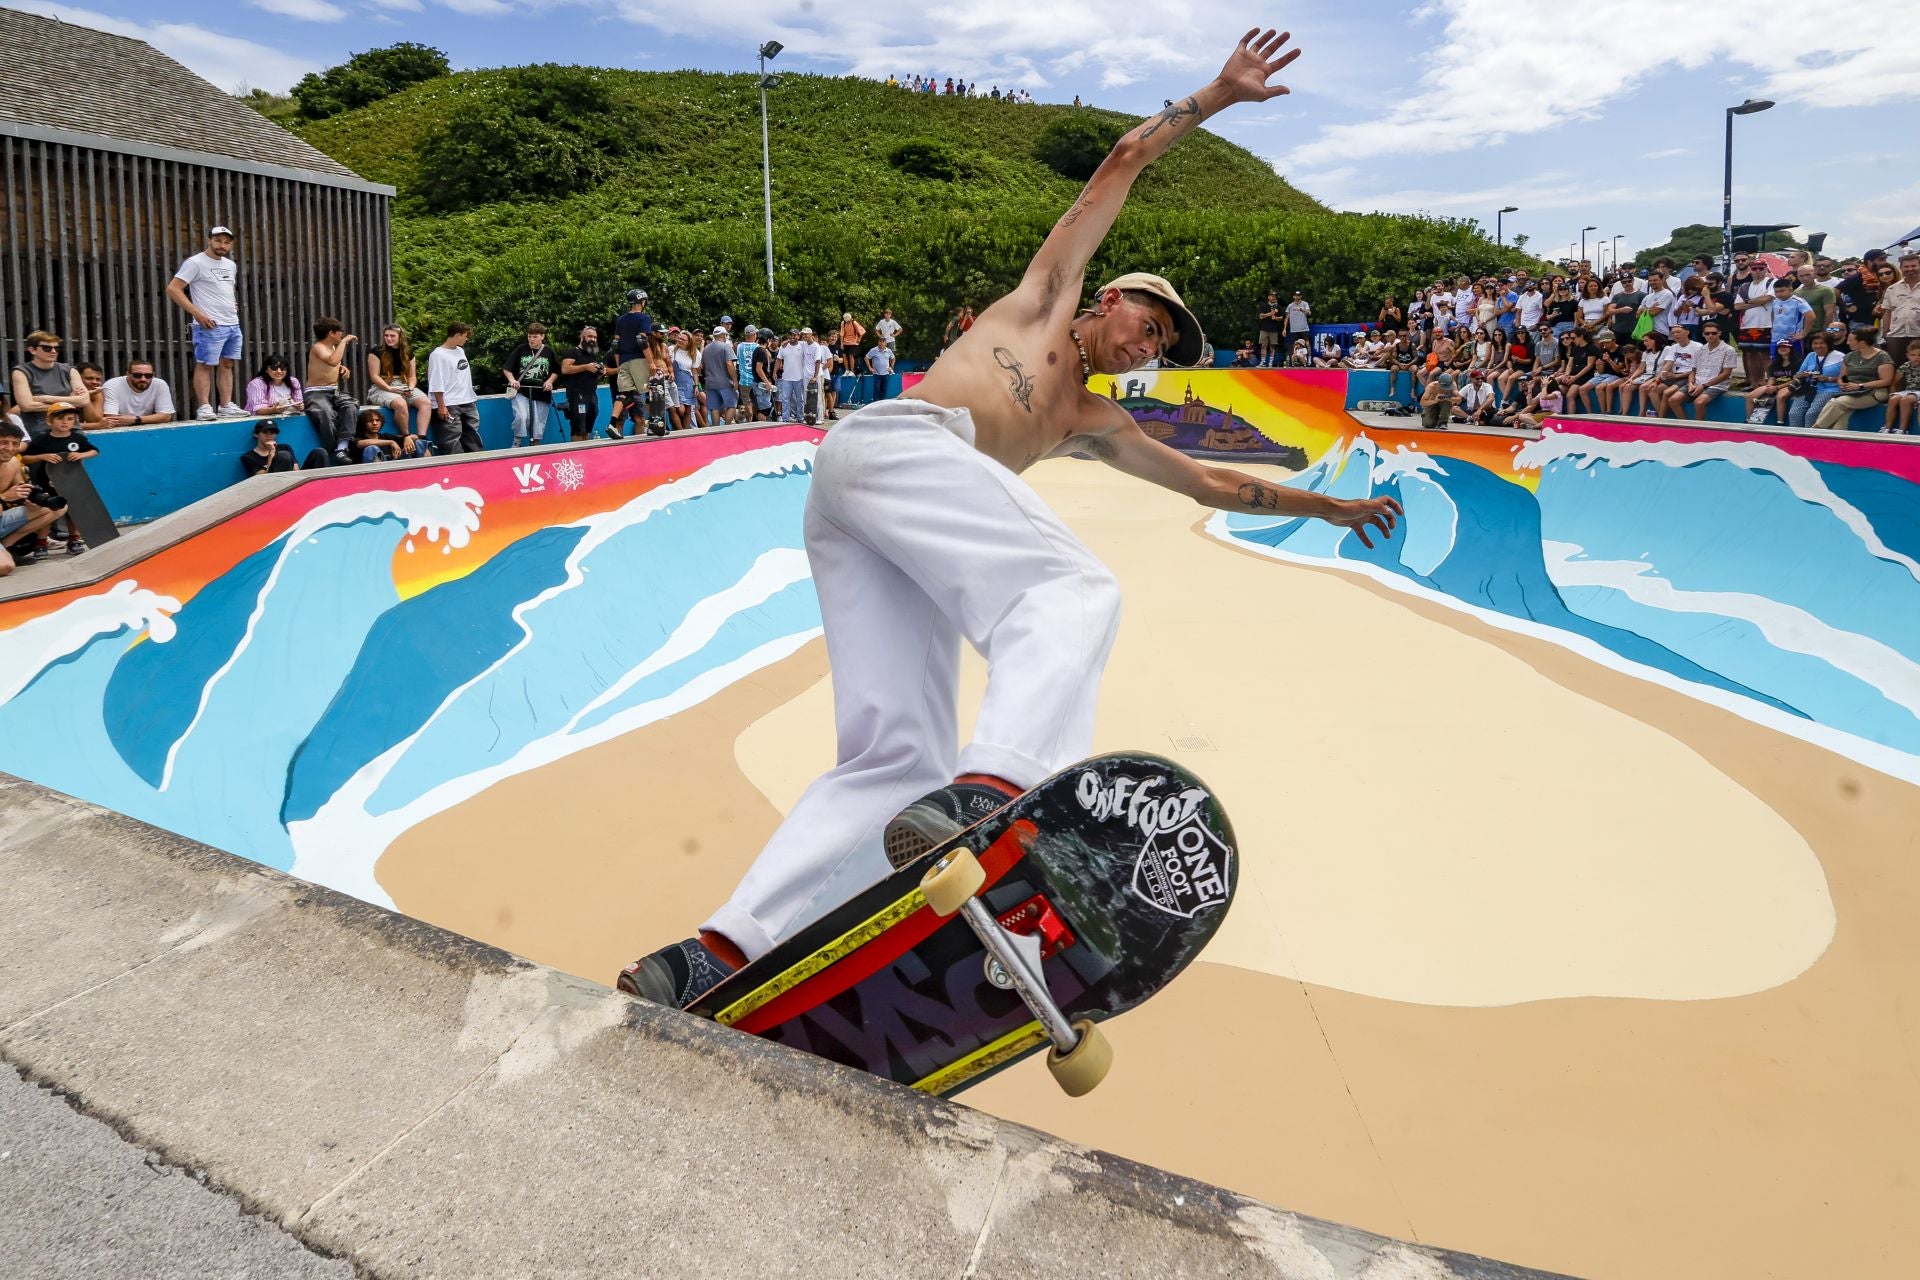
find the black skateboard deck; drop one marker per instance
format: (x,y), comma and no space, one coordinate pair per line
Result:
(84,507)
(1123,868)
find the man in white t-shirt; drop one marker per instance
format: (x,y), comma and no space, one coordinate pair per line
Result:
(456,409)
(1671,374)
(792,374)
(205,288)
(1531,306)
(1753,295)
(1713,365)
(137,398)
(1466,306)
(889,328)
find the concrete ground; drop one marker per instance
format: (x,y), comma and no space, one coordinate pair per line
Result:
(81,1201)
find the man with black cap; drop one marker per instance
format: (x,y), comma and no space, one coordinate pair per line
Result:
(921,533)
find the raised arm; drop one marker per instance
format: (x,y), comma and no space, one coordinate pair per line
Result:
(1058,270)
(1121,444)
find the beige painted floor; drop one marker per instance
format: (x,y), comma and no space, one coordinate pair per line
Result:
(1530,958)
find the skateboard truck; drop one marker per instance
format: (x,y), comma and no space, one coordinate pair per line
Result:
(1080,1055)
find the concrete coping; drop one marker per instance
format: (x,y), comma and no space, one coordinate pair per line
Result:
(423,1104)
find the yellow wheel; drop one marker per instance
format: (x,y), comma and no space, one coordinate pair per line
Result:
(952,880)
(1080,1072)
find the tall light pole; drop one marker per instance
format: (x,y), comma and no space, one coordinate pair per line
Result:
(1746,108)
(768,51)
(1583,241)
(1616,250)
(1499,236)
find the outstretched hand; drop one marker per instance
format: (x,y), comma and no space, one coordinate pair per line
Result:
(1360,514)
(1256,61)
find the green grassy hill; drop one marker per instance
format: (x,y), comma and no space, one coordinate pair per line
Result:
(852,231)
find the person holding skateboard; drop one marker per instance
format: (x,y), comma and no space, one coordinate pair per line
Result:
(920,532)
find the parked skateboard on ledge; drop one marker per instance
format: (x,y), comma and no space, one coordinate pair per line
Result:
(1072,904)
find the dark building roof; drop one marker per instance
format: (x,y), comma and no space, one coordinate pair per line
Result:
(61,76)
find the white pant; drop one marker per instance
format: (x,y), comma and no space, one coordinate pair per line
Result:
(916,539)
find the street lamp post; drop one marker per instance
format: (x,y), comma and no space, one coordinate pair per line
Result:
(1499,236)
(768,51)
(1747,108)
(1616,250)
(1583,241)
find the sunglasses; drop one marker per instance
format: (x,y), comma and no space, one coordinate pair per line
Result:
(139,377)
(46,346)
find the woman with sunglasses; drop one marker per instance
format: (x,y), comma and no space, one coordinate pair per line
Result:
(274,390)
(42,380)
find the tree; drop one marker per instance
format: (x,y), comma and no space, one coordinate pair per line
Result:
(1699,237)
(1073,146)
(367,77)
(551,131)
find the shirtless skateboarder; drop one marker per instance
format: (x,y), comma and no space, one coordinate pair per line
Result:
(920,532)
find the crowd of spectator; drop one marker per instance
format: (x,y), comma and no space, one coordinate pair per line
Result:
(1807,348)
(951,88)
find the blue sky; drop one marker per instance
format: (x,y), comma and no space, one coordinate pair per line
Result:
(1607,114)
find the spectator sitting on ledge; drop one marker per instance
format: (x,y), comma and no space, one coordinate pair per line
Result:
(21,518)
(371,443)
(267,454)
(329,408)
(93,408)
(138,398)
(274,390)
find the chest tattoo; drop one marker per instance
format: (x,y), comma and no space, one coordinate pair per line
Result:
(1019,384)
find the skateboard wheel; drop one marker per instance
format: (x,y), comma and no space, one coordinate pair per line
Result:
(952,880)
(1081,1071)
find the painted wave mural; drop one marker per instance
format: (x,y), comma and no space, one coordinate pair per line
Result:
(305,681)
(1777,575)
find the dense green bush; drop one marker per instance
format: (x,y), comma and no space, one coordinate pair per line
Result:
(1074,145)
(554,134)
(366,78)
(927,158)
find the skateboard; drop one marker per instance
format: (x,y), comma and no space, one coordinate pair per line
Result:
(1072,904)
(84,507)
(814,400)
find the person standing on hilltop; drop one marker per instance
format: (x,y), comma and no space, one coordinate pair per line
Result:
(920,531)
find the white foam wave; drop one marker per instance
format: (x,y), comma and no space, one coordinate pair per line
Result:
(431,510)
(1405,461)
(1799,475)
(342,842)
(38,643)
(1888,760)
(1785,627)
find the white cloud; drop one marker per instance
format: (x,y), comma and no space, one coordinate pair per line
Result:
(227,61)
(1533,68)
(479,8)
(1873,223)
(1668,153)
(400,6)
(305,10)
(1008,42)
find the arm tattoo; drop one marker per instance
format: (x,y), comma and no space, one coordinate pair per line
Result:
(1259,497)
(1173,115)
(1079,207)
(1020,385)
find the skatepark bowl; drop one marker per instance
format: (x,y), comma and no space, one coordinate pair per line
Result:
(1577,821)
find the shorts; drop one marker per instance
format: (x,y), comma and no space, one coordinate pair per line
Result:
(1756,339)
(397,401)
(1712,393)
(721,397)
(1603,379)
(630,370)
(763,397)
(12,518)
(211,346)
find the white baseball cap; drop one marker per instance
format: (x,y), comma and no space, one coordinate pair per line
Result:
(719,329)
(806,333)
(1188,342)
(219,231)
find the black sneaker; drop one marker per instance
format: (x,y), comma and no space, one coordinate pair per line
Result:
(75,546)
(939,815)
(675,975)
